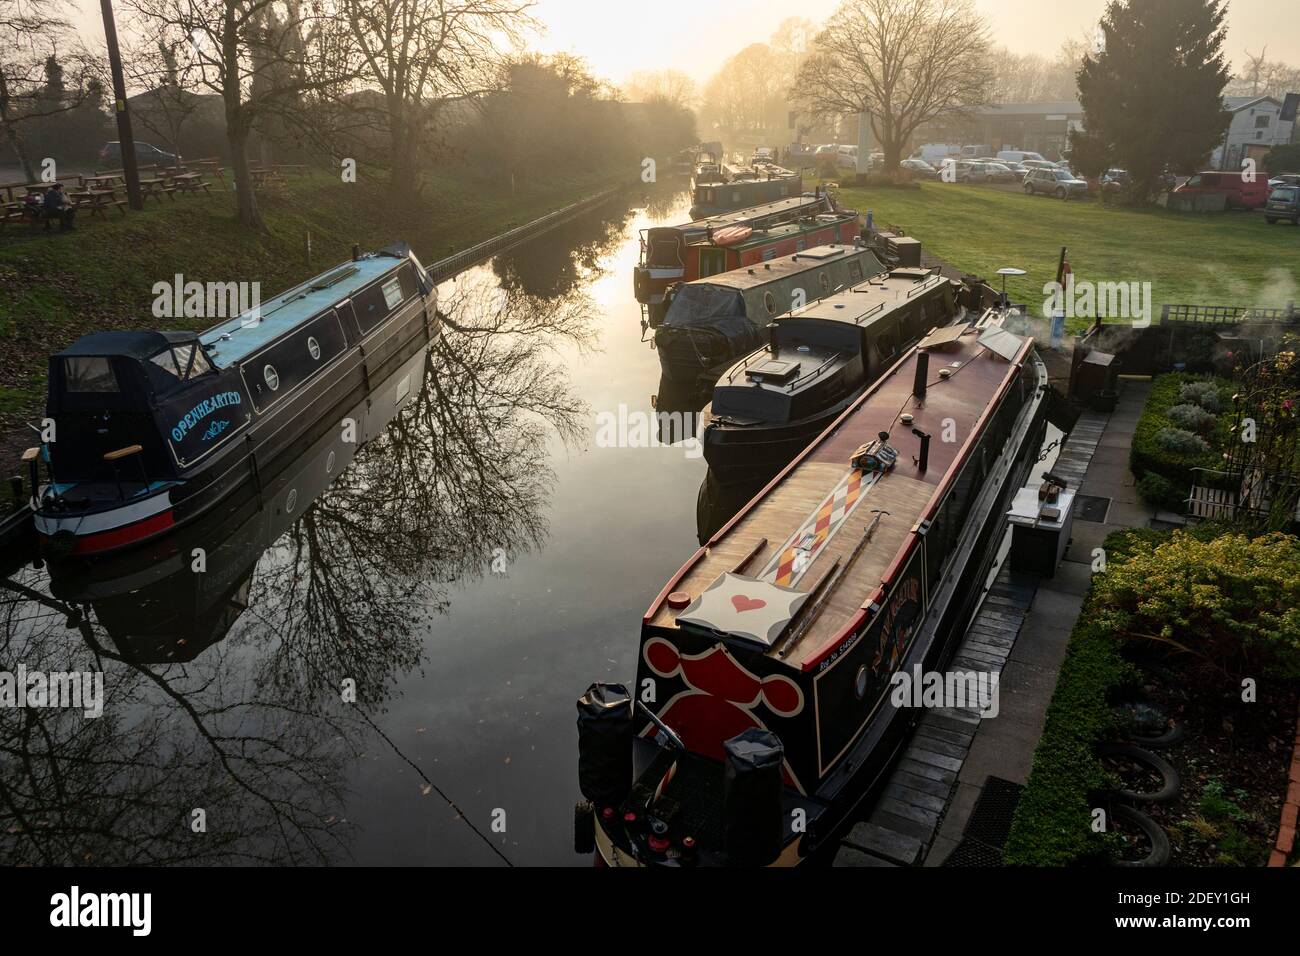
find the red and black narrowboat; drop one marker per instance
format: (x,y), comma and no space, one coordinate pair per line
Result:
(152,429)
(706,247)
(760,717)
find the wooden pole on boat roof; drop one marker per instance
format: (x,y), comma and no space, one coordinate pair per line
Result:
(125,138)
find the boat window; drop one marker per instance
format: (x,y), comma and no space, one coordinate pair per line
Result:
(392,290)
(855,270)
(271,376)
(185,362)
(89,374)
(824,281)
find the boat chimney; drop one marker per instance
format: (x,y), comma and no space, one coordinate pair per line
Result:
(356,252)
(923,461)
(922,372)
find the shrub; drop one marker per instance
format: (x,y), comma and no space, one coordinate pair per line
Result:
(1147,455)
(1159,492)
(1181,441)
(1194,418)
(1232,601)
(1204,394)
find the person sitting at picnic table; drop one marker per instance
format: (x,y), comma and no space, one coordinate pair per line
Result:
(57,206)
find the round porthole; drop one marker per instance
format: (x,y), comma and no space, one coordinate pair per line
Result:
(329,464)
(313,347)
(271,376)
(860,682)
(291,501)
(769,302)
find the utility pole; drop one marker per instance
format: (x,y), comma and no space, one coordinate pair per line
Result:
(125,138)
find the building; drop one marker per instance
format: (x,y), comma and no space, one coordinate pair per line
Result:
(1039,127)
(1257,126)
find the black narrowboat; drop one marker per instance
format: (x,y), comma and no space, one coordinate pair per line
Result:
(711,321)
(761,714)
(152,429)
(774,401)
(735,187)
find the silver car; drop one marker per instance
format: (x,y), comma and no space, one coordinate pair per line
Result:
(1054,182)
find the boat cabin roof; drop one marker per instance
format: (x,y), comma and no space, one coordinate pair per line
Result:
(761,237)
(867,301)
(761,273)
(141,345)
(748,564)
(735,217)
(237,338)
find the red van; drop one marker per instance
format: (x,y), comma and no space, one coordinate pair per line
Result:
(1241,194)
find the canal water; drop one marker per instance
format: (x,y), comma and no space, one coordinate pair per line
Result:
(376,663)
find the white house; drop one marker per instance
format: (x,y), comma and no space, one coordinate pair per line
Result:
(1255,129)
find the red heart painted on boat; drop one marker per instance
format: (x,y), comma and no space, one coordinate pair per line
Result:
(742,603)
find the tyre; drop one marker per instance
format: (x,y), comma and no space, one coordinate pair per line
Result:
(1060,192)
(1138,761)
(1155,835)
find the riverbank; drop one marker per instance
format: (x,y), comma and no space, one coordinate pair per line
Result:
(56,287)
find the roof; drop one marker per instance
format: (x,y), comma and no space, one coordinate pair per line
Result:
(1033,109)
(747,277)
(136,344)
(864,300)
(1234,104)
(239,337)
(788,516)
(790,204)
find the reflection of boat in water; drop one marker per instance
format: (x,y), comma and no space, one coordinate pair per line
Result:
(819,359)
(156,428)
(718,502)
(763,714)
(711,321)
(168,600)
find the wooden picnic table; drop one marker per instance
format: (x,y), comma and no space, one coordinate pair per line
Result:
(156,186)
(97,182)
(189,182)
(98,201)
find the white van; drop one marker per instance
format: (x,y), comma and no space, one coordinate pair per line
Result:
(976,152)
(1019,155)
(935,153)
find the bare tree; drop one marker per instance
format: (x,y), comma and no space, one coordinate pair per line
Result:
(30,32)
(666,86)
(905,62)
(254,54)
(425,53)
(171,86)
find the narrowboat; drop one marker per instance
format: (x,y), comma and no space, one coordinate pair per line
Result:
(703,247)
(152,429)
(762,715)
(710,321)
(738,187)
(818,359)
(153,606)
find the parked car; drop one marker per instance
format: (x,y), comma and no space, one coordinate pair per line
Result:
(1055,182)
(1240,192)
(1037,164)
(919,168)
(110,155)
(846,157)
(1001,173)
(976,152)
(965,171)
(1284,179)
(1019,155)
(936,153)
(1283,203)
(1018,168)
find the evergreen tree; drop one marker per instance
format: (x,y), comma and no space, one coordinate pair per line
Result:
(1152,90)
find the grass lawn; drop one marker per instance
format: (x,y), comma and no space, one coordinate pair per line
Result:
(1232,258)
(55,287)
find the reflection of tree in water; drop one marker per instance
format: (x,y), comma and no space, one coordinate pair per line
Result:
(557,263)
(662,201)
(253,731)
(461,475)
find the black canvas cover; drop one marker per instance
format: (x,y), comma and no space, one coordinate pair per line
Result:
(605,731)
(752,797)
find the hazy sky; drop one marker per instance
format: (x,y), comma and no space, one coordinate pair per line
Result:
(618,37)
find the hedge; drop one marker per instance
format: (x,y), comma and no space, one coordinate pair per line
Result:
(1053,820)
(1148,457)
